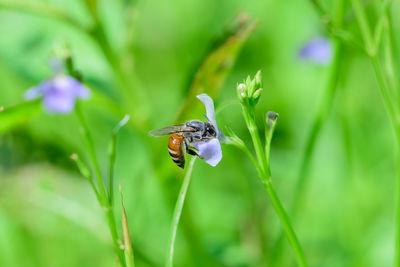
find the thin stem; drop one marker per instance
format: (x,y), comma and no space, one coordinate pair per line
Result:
(394,84)
(390,58)
(284,218)
(265,176)
(84,170)
(90,145)
(178,211)
(397,222)
(255,137)
(268,139)
(391,107)
(323,112)
(109,212)
(112,156)
(364,27)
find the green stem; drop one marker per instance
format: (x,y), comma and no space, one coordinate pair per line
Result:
(112,156)
(364,27)
(108,209)
(323,112)
(90,145)
(265,176)
(109,212)
(249,117)
(397,222)
(394,118)
(391,107)
(284,218)
(390,56)
(87,174)
(178,211)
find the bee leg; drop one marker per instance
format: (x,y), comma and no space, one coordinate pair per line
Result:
(189,150)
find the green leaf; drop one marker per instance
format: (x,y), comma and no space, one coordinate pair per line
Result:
(41,10)
(218,63)
(128,251)
(14,116)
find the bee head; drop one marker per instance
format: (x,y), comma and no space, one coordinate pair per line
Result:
(210,131)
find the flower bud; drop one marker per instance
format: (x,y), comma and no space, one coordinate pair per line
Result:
(272,117)
(258,79)
(256,95)
(249,92)
(241,90)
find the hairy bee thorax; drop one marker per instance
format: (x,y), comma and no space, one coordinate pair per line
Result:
(205,131)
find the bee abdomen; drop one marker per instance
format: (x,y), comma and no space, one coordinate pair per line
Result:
(175,149)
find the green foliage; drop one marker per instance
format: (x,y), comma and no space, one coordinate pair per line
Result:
(331,156)
(14,116)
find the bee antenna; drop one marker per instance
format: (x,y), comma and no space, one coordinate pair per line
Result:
(205,116)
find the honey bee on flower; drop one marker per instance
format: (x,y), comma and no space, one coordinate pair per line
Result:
(195,137)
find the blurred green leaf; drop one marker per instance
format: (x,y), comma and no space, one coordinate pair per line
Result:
(41,10)
(17,115)
(218,63)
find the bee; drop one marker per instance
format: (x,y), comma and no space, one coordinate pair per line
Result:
(184,136)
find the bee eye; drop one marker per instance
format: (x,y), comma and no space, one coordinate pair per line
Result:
(211,131)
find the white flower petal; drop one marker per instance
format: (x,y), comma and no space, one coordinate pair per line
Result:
(210,151)
(209,104)
(210,111)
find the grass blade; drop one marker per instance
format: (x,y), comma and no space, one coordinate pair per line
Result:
(128,251)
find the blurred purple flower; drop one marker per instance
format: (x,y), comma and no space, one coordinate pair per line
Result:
(59,93)
(318,50)
(210,151)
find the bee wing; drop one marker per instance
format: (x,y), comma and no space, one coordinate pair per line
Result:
(172,129)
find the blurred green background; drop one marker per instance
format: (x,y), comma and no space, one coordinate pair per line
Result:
(49,215)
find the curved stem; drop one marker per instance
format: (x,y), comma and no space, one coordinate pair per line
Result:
(178,211)
(265,176)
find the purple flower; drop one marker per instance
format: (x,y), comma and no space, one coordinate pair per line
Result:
(59,93)
(318,50)
(210,151)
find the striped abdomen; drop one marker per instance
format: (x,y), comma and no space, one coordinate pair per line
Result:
(175,144)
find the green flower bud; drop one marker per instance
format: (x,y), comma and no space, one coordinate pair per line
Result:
(258,79)
(249,92)
(256,95)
